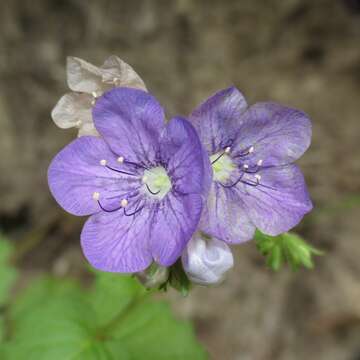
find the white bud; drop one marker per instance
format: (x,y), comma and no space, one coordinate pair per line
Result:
(206,261)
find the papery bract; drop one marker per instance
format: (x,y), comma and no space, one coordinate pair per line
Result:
(88,82)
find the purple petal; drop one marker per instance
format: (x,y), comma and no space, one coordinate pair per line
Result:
(75,174)
(114,242)
(216,119)
(186,161)
(224,216)
(131,122)
(173,224)
(280,200)
(279,135)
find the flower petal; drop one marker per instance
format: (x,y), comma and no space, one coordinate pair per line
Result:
(174,221)
(186,161)
(116,69)
(83,76)
(279,202)
(279,135)
(131,122)
(71,110)
(114,242)
(225,218)
(75,174)
(216,119)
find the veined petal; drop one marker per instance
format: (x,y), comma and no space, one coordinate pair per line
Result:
(114,242)
(72,110)
(131,122)
(75,174)
(186,161)
(279,135)
(83,76)
(217,118)
(173,223)
(280,200)
(118,72)
(224,217)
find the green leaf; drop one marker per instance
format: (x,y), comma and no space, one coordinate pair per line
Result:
(286,248)
(8,273)
(178,279)
(114,319)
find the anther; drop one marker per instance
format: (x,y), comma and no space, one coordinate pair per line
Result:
(120,159)
(94,94)
(260,162)
(124,203)
(78,123)
(257,177)
(96,196)
(103,162)
(145,179)
(245,166)
(251,149)
(227,149)
(116,80)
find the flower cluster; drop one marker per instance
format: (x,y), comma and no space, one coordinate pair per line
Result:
(182,191)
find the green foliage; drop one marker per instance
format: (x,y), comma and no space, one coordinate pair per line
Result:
(177,279)
(8,273)
(115,319)
(286,248)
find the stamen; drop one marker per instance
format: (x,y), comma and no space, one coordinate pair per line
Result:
(260,162)
(78,123)
(227,149)
(135,211)
(116,81)
(94,94)
(120,171)
(96,196)
(152,192)
(257,177)
(145,179)
(120,159)
(245,166)
(251,149)
(103,162)
(124,203)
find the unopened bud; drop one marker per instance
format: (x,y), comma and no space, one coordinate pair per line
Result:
(206,260)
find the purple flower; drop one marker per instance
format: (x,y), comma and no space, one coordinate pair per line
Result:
(141,182)
(252,150)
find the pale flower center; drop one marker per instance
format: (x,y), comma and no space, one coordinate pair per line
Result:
(157,182)
(223,167)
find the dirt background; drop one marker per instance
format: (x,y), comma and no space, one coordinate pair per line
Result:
(304,54)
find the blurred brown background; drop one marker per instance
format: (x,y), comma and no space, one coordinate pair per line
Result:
(304,54)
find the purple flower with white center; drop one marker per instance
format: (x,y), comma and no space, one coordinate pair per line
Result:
(142,182)
(252,150)
(88,82)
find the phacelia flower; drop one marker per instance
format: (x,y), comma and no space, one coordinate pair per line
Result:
(206,260)
(141,182)
(88,82)
(252,150)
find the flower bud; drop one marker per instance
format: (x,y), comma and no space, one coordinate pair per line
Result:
(206,260)
(155,275)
